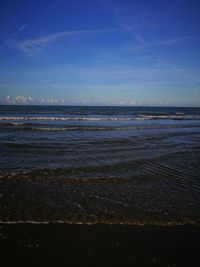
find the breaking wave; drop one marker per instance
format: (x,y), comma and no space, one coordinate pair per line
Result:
(37,127)
(113,118)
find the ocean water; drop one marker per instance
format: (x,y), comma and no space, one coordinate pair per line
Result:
(102,164)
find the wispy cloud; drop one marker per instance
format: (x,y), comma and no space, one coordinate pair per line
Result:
(137,24)
(33,45)
(143,44)
(22,28)
(129,20)
(169,41)
(139,39)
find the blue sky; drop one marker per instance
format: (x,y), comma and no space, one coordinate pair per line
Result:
(117,52)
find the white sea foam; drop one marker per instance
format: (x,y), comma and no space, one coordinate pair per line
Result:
(106,222)
(139,117)
(173,117)
(69,118)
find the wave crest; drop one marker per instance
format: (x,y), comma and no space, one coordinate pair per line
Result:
(113,118)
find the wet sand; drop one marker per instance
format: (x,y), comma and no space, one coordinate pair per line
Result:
(27,197)
(57,244)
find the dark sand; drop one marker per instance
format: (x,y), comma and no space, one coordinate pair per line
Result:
(35,197)
(57,244)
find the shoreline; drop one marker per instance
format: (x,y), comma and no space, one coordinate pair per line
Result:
(108,223)
(57,244)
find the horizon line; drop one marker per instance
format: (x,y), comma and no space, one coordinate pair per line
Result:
(102,105)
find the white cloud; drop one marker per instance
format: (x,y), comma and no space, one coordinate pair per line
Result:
(18,100)
(27,100)
(125,102)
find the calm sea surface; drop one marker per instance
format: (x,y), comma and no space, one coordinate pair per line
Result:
(128,162)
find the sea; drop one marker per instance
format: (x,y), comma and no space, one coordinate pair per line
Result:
(93,164)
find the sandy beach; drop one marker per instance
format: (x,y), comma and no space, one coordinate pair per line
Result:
(57,244)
